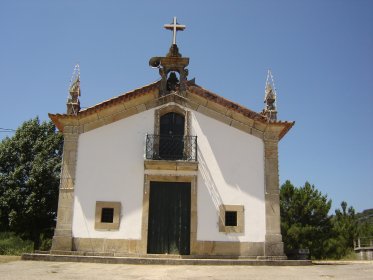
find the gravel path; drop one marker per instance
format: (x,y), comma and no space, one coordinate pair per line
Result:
(38,270)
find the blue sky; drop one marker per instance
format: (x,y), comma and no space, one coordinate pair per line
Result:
(320,53)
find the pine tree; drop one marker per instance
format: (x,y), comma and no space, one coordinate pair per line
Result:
(305,222)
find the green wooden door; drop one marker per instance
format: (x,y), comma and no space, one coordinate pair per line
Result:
(169,218)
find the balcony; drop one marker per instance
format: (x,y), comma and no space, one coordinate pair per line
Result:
(171,148)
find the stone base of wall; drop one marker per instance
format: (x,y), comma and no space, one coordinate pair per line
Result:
(221,248)
(274,249)
(62,243)
(198,248)
(102,245)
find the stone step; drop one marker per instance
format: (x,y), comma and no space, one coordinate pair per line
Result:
(162,260)
(167,256)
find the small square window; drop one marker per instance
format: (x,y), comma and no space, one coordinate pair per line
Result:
(230,218)
(107,215)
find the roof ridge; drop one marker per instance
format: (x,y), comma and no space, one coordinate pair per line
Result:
(225,101)
(110,100)
(193,88)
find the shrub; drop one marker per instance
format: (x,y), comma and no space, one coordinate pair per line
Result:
(10,244)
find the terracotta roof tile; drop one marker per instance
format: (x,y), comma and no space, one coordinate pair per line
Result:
(124,97)
(191,87)
(226,103)
(239,108)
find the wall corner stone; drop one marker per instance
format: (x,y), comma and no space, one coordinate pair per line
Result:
(62,239)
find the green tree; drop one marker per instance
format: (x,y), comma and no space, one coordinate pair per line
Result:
(30,164)
(305,222)
(346,229)
(365,221)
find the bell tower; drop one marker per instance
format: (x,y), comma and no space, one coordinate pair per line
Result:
(171,65)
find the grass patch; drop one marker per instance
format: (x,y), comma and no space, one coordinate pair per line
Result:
(11,244)
(5,259)
(350,256)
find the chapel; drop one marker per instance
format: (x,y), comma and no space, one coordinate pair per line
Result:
(170,168)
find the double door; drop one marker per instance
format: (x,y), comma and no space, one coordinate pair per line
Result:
(169,218)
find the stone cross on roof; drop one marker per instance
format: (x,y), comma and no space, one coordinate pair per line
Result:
(174,26)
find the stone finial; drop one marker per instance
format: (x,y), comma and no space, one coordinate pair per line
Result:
(270,98)
(270,110)
(73,102)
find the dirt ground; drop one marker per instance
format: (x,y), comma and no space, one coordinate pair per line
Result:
(39,270)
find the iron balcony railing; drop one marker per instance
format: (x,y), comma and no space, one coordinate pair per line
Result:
(171,147)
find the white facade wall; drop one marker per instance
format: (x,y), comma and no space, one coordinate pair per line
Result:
(230,171)
(110,167)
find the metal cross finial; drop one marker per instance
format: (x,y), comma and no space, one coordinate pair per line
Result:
(174,26)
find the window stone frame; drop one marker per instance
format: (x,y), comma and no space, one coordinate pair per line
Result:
(171,108)
(240,228)
(175,108)
(116,216)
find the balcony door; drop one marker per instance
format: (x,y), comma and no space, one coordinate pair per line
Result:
(171,142)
